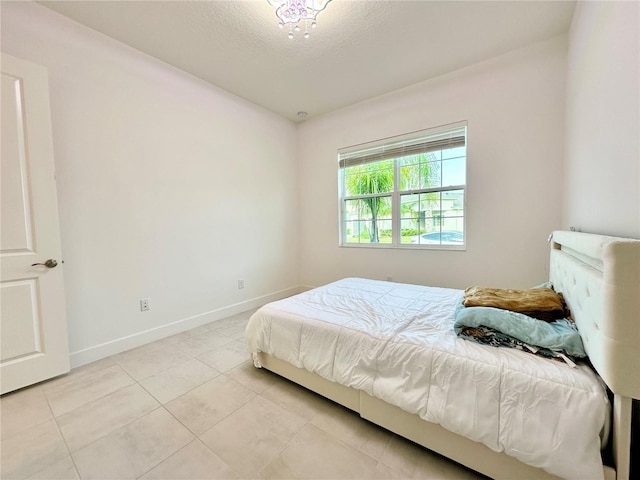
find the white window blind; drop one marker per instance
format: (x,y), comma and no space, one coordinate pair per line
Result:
(369,153)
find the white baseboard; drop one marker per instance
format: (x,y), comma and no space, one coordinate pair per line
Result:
(97,352)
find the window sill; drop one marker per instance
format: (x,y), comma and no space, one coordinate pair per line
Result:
(388,246)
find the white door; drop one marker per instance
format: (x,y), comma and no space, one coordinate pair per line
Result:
(33,323)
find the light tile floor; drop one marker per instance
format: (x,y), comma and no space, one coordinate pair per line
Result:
(192,406)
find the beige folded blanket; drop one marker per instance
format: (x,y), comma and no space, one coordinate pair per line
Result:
(541,303)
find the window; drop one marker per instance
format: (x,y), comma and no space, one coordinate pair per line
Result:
(405,191)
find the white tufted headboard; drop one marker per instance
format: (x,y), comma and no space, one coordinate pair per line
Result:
(599,277)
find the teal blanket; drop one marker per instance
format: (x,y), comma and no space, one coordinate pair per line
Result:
(560,335)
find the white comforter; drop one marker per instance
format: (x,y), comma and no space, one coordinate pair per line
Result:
(396,342)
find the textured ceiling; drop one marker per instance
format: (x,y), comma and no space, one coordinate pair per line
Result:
(361,49)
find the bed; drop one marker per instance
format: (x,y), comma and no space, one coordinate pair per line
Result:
(504,413)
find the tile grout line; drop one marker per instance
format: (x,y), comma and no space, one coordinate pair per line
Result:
(33,426)
(184,393)
(196,437)
(160,371)
(64,440)
(71,456)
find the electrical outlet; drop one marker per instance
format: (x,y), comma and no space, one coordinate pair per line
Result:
(240,284)
(144,304)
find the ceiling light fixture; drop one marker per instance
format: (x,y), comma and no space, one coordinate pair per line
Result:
(297,12)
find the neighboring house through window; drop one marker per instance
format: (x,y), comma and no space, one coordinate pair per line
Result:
(406,191)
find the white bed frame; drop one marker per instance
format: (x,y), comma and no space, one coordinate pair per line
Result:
(599,277)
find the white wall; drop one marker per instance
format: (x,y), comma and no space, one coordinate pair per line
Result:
(514,105)
(602,173)
(169,188)
(602,179)
(158,183)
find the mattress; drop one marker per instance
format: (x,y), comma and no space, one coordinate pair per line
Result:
(396,342)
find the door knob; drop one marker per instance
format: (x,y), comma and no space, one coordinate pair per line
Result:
(51,263)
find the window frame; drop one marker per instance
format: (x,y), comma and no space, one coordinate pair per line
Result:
(396,194)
